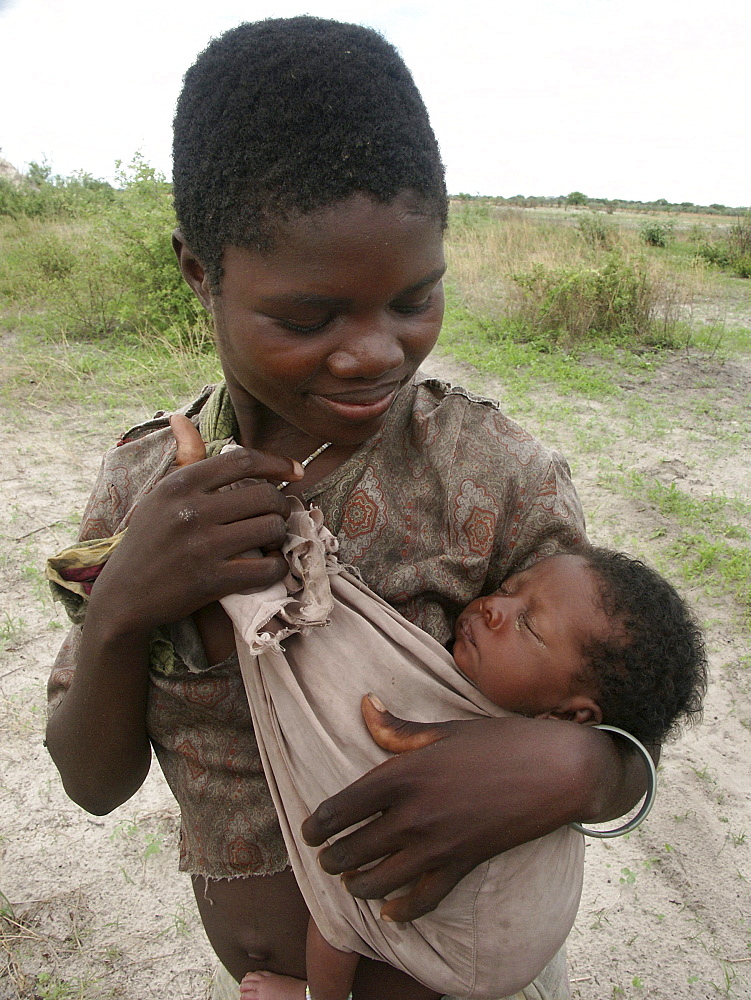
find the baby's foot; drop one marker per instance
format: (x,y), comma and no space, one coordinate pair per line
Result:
(268,986)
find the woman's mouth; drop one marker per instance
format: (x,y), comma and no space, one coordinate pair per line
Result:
(359,406)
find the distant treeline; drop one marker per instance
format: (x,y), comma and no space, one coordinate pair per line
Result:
(41,194)
(576,199)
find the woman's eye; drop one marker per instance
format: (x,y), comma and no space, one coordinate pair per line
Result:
(405,309)
(304,327)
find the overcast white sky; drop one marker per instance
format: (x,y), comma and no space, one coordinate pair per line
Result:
(639,99)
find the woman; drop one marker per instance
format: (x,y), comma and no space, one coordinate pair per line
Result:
(311,202)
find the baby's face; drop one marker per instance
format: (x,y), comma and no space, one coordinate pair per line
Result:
(522,645)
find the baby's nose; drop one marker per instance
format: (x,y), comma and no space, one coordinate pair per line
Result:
(497,609)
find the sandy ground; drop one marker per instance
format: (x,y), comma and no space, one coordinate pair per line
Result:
(93,906)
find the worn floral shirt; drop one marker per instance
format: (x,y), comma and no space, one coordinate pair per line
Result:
(437,508)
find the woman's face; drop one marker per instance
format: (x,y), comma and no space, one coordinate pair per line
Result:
(319,334)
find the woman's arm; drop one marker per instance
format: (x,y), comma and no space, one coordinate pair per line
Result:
(459,793)
(182,550)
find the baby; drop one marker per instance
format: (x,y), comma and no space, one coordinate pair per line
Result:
(588,636)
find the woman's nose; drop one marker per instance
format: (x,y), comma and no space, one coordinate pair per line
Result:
(367,350)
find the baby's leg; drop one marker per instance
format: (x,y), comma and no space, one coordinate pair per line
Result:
(330,974)
(377,980)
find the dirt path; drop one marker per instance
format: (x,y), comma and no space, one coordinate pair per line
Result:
(94,904)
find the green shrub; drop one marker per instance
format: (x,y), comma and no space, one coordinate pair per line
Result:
(111,273)
(140,225)
(657,234)
(71,281)
(597,232)
(733,251)
(42,196)
(617,300)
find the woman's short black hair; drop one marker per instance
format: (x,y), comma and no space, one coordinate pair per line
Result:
(290,115)
(650,675)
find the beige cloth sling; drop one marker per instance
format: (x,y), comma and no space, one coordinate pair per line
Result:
(505,921)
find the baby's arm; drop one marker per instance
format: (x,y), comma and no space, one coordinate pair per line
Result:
(330,974)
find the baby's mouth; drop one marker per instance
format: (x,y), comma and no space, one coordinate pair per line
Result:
(466,628)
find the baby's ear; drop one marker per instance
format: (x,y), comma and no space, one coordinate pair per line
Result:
(578,708)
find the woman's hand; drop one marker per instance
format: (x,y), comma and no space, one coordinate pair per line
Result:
(457,794)
(185,542)
(183,549)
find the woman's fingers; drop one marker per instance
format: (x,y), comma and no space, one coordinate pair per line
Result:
(234,466)
(395,734)
(357,802)
(424,895)
(190,446)
(373,792)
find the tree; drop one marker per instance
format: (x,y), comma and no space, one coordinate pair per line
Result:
(576,198)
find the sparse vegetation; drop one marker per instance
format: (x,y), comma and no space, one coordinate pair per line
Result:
(649,400)
(731,251)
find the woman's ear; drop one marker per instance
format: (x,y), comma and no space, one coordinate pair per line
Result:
(192,269)
(578,708)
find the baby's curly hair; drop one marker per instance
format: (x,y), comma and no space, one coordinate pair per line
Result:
(290,115)
(650,675)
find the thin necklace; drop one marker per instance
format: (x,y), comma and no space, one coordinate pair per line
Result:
(307,461)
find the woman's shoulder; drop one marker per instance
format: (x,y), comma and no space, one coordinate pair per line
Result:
(444,415)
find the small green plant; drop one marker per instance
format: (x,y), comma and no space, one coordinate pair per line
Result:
(6,907)
(10,631)
(49,987)
(627,877)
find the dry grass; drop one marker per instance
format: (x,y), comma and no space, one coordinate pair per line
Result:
(568,275)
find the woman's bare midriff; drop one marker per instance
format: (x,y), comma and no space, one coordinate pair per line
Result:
(261,923)
(255,923)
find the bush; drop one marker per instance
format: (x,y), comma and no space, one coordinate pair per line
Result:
(141,225)
(114,272)
(733,252)
(657,234)
(73,277)
(616,300)
(597,232)
(42,196)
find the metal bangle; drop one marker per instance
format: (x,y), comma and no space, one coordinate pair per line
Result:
(309,997)
(649,798)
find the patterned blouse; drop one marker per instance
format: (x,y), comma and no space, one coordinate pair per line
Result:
(437,508)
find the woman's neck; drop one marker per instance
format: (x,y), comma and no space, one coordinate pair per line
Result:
(264,430)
